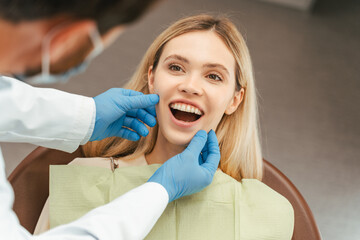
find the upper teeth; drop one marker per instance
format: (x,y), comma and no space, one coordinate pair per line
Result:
(186,108)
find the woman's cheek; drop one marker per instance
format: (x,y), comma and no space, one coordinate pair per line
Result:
(218,115)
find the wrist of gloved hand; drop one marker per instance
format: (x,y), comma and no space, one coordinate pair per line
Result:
(190,171)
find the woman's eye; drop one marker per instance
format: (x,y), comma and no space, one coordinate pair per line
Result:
(214,77)
(175,68)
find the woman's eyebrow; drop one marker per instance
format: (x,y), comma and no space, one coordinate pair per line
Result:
(216,65)
(178,57)
(207,65)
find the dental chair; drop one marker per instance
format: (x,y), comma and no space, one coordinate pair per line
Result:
(30,181)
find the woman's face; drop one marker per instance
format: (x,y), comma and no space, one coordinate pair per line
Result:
(195,79)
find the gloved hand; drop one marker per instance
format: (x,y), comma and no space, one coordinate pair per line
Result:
(190,172)
(118,112)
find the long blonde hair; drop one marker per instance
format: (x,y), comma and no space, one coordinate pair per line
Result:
(237,133)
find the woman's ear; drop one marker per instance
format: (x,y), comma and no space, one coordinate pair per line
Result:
(151,80)
(235,102)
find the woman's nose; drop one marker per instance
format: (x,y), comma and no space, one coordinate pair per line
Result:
(191,85)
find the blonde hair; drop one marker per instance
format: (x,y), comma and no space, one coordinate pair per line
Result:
(237,133)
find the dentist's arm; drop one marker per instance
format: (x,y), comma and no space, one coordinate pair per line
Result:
(132,215)
(45,117)
(63,121)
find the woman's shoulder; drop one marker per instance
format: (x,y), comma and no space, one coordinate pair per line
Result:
(106,162)
(95,161)
(262,192)
(253,192)
(268,206)
(252,189)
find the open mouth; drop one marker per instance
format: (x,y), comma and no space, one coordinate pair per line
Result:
(185,112)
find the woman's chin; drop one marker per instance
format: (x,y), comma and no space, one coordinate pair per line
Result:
(181,141)
(179,138)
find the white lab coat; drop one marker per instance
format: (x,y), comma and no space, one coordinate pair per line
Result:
(63,121)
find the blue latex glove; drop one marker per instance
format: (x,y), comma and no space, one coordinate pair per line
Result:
(190,172)
(118,112)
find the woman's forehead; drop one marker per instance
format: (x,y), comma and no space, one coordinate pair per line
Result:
(200,46)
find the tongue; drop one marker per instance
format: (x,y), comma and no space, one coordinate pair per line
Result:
(185,116)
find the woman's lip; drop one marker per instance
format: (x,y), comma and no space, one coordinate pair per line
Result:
(182,123)
(189,103)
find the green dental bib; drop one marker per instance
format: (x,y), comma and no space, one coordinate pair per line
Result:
(227,209)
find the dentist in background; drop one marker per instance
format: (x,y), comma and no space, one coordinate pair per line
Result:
(49,41)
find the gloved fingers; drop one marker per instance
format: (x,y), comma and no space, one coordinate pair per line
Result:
(151,110)
(136,102)
(201,159)
(204,153)
(128,134)
(136,125)
(126,92)
(196,144)
(129,92)
(213,153)
(143,116)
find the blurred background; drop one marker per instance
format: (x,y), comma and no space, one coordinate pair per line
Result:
(306,58)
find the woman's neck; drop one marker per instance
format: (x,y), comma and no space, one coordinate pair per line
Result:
(163,150)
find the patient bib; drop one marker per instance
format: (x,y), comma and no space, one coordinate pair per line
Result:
(227,209)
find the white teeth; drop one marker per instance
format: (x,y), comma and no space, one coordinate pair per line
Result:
(186,108)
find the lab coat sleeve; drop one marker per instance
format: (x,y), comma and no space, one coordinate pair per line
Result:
(43,116)
(130,216)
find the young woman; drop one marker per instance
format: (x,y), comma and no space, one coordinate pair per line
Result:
(201,69)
